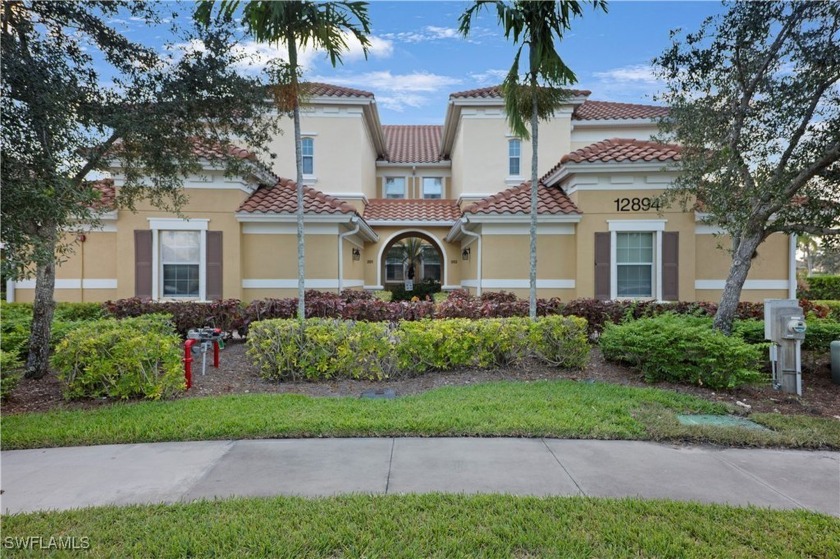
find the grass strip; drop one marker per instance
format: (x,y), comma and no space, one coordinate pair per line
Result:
(559,408)
(433,525)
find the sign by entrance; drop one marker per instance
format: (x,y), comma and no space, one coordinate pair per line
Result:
(409,285)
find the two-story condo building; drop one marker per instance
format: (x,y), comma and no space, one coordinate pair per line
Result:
(461,187)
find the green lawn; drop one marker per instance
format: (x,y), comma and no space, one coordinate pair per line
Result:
(562,409)
(433,526)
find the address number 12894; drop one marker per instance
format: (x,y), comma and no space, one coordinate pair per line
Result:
(636,204)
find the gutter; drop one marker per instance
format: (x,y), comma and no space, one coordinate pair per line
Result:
(355,221)
(477,237)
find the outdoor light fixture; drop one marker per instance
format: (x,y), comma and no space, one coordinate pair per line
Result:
(356,254)
(466,254)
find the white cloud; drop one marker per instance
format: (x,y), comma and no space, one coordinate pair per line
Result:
(257,55)
(628,84)
(638,73)
(396,91)
(428,33)
(489,77)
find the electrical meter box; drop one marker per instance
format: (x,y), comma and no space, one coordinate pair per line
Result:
(783,320)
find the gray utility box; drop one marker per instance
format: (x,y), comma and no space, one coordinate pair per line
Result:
(784,326)
(783,320)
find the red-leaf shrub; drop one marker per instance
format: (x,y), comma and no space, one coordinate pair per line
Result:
(226,314)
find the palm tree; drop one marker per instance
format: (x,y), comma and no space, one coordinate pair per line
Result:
(325,26)
(810,247)
(412,252)
(538,25)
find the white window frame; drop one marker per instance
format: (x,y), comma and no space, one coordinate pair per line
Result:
(655,226)
(518,157)
(385,188)
(174,224)
(423,188)
(310,156)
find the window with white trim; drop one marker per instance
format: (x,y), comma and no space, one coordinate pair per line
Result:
(307,150)
(395,187)
(180,264)
(514,156)
(634,261)
(394,265)
(431,263)
(432,187)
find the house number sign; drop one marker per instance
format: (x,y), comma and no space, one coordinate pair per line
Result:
(636,204)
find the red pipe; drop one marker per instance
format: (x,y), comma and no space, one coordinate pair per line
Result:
(188,362)
(216,353)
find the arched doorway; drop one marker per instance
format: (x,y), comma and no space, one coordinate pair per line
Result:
(411,251)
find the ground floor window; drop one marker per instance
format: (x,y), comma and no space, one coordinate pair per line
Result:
(431,264)
(394,265)
(634,259)
(180,259)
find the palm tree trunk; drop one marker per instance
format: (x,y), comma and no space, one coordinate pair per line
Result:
(532,298)
(301,311)
(38,360)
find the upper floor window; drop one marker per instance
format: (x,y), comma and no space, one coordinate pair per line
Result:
(395,187)
(432,187)
(307,150)
(514,154)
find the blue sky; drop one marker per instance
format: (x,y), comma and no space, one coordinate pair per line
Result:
(417,57)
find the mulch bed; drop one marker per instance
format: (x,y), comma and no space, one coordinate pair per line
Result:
(236,375)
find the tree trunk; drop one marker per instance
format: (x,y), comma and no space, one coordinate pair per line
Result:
(38,360)
(301,310)
(532,296)
(741,263)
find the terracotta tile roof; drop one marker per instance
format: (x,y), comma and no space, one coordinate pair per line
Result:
(316,89)
(209,150)
(604,110)
(495,92)
(517,201)
(381,209)
(618,150)
(413,143)
(282,198)
(107,194)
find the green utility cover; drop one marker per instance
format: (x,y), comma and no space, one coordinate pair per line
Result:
(720,421)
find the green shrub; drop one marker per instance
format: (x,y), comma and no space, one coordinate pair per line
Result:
(17,323)
(132,357)
(325,348)
(683,349)
(422,289)
(833,309)
(821,287)
(9,373)
(818,336)
(375,350)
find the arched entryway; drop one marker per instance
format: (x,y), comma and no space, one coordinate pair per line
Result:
(407,249)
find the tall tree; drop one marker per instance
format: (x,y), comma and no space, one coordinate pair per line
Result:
(63,118)
(755,103)
(537,92)
(324,25)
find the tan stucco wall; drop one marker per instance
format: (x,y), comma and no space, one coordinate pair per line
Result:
(772,261)
(507,256)
(344,160)
(480,151)
(583,135)
(275,256)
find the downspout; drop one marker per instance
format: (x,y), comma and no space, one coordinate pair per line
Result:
(355,221)
(477,237)
(792,240)
(10,291)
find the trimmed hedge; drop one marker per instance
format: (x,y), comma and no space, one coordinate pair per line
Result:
(833,309)
(185,315)
(10,374)
(132,357)
(818,336)
(683,349)
(16,323)
(329,348)
(820,288)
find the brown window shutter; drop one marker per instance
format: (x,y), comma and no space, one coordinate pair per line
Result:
(143,263)
(214,265)
(670,266)
(602,266)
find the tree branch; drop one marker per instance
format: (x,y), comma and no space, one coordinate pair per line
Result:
(94,160)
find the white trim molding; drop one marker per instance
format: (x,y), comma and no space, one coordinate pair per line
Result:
(293,283)
(75,283)
(521,284)
(749,284)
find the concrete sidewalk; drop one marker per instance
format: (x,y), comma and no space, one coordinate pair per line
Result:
(64,478)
